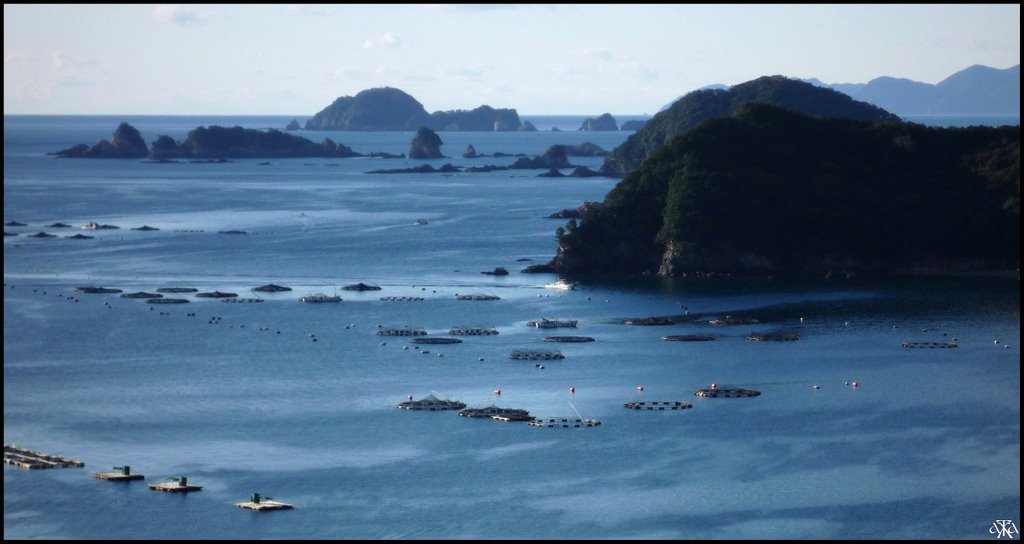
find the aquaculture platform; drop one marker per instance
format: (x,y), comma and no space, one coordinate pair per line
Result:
(432,403)
(25,458)
(929,345)
(726,392)
(100,290)
(167,301)
(536,355)
(176,485)
(242,300)
(688,338)
(401,299)
(477,297)
(563,422)
(649,321)
(263,504)
(438,340)
(122,474)
(730,320)
(177,290)
(545,323)
(772,337)
(400,331)
(472,331)
(658,405)
(568,339)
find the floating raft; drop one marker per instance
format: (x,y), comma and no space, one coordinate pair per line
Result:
(79,236)
(141,294)
(431,403)
(42,235)
(25,458)
(319,297)
(101,290)
(15,224)
(649,321)
(271,288)
(435,341)
(401,299)
(536,355)
(167,301)
(727,392)
(563,422)
(472,331)
(658,405)
(216,294)
(930,345)
(545,323)
(400,331)
(772,337)
(58,225)
(145,228)
(477,297)
(568,339)
(123,474)
(177,290)
(688,338)
(493,412)
(261,504)
(242,300)
(176,485)
(730,320)
(361,287)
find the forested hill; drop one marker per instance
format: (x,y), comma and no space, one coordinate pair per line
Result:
(772,191)
(697,106)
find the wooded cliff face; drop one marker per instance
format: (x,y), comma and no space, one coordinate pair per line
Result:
(772,191)
(698,106)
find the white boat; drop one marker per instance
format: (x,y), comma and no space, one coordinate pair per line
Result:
(320,297)
(91,225)
(561,285)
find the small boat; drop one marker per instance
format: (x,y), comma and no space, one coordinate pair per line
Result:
(561,285)
(320,297)
(421,222)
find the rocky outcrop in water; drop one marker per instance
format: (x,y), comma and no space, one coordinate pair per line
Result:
(604,122)
(426,145)
(126,143)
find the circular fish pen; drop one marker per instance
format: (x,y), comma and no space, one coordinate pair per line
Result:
(401,299)
(772,337)
(167,301)
(730,320)
(568,339)
(177,290)
(688,338)
(141,294)
(400,331)
(477,297)
(658,405)
(535,355)
(726,392)
(472,331)
(929,345)
(435,341)
(651,321)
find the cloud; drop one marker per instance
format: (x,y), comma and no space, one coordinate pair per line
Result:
(59,59)
(177,14)
(389,39)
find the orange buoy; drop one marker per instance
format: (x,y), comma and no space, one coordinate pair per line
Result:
(572,390)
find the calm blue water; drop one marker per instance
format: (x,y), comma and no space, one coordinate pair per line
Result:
(928,445)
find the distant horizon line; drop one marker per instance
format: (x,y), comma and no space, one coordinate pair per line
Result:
(297,116)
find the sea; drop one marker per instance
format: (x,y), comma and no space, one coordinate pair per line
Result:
(852,437)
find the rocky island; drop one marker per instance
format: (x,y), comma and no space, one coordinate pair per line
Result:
(604,122)
(390,109)
(426,145)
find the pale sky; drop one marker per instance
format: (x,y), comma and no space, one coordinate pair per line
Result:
(582,59)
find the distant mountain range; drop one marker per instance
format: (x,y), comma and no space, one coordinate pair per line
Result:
(977,90)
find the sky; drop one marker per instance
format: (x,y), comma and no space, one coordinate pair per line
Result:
(574,59)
